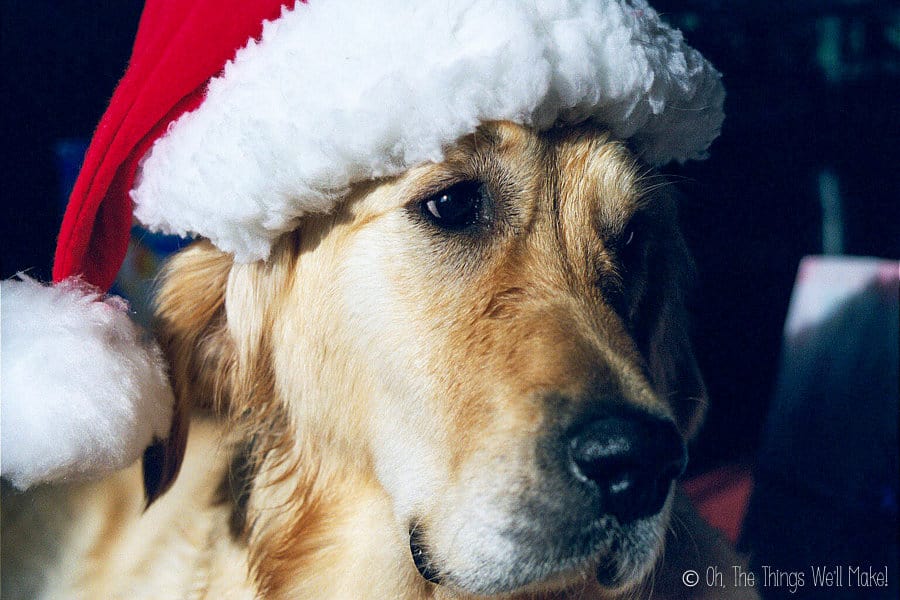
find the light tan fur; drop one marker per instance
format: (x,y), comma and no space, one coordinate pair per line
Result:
(377,375)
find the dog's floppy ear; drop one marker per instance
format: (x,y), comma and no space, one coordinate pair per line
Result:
(670,354)
(191,327)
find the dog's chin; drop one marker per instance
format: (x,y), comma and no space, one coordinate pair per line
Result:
(616,559)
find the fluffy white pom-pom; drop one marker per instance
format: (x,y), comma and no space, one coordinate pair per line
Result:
(83,390)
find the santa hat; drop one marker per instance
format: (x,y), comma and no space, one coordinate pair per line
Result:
(235,119)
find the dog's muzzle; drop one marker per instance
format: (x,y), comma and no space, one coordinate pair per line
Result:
(627,462)
(604,480)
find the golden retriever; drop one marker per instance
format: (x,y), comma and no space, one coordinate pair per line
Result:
(471,380)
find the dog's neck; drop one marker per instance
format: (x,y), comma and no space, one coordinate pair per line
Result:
(321,529)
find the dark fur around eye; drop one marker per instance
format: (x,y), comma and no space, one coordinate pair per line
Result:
(630,244)
(628,248)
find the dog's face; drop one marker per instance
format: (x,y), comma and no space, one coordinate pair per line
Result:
(498,339)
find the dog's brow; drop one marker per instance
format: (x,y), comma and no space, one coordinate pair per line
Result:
(491,134)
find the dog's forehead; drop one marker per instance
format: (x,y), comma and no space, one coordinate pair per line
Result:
(582,168)
(598,181)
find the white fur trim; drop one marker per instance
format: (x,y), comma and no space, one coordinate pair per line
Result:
(341,91)
(83,393)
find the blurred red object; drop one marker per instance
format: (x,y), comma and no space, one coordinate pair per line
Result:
(721,497)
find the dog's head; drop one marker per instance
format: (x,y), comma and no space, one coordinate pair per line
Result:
(499,339)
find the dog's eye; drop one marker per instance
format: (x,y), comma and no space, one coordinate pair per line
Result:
(627,241)
(458,207)
(628,245)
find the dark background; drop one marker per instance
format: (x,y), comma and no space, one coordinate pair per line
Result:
(813,92)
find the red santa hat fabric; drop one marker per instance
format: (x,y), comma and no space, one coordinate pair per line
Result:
(178,48)
(234,119)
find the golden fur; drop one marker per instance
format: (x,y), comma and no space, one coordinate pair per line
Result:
(376,376)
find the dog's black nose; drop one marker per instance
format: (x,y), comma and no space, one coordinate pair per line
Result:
(629,461)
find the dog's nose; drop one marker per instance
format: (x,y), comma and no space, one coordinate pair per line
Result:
(629,461)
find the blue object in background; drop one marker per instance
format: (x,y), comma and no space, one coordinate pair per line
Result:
(825,493)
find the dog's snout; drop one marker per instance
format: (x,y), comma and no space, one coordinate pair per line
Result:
(629,462)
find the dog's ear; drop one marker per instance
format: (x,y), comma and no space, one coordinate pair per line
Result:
(191,327)
(670,353)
